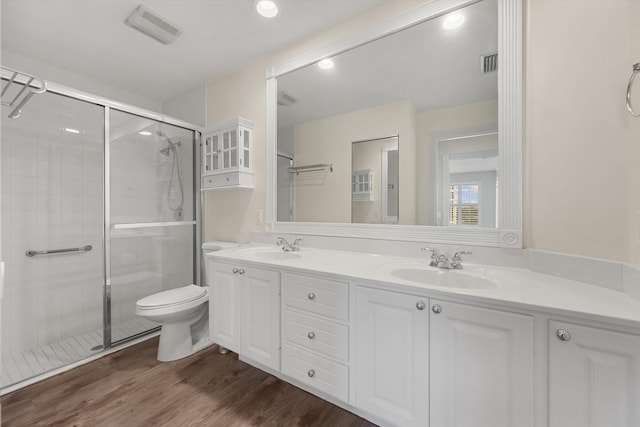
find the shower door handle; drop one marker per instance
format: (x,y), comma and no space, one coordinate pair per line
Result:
(32,253)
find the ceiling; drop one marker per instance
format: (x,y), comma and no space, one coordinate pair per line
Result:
(89,37)
(432,67)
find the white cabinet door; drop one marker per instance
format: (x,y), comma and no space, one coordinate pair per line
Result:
(392,356)
(224,317)
(261,316)
(594,377)
(481,367)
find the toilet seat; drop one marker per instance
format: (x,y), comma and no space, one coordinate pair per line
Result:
(172,297)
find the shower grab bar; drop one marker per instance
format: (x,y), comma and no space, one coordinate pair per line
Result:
(636,70)
(32,253)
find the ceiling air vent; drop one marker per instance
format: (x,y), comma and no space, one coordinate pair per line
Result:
(149,23)
(488,63)
(284,99)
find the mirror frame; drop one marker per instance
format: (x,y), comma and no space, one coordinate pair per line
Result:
(510,135)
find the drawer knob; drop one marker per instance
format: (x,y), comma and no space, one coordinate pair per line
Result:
(563,335)
(311,335)
(420,305)
(241,271)
(235,271)
(311,373)
(436,309)
(311,296)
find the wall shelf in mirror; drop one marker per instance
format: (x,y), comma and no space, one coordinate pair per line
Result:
(416,104)
(311,168)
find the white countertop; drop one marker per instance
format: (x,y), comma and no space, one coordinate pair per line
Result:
(516,287)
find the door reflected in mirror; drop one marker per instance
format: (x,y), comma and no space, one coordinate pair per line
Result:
(374,181)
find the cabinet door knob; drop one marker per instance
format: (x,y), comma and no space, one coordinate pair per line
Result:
(235,271)
(311,335)
(420,305)
(311,373)
(563,335)
(241,271)
(311,296)
(436,309)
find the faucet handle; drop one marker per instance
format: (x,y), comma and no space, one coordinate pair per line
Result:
(434,256)
(458,253)
(456,260)
(296,244)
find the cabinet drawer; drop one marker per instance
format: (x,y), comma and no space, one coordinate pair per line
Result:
(323,336)
(320,296)
(220,180)
(316,371)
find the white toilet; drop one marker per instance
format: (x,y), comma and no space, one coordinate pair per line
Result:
(184,314)
(178,310)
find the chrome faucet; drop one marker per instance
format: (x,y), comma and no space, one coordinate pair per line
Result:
(289,247)
(442,261)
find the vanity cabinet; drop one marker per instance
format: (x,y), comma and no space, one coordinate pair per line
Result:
(245,311)
(594,377)
(315,333)
(224,305)
(429,362)
(481,367)
(227,155)
(392,362)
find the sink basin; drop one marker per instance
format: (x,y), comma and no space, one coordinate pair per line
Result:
(269,254)
(444,278)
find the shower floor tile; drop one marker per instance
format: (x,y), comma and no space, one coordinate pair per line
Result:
(21,366)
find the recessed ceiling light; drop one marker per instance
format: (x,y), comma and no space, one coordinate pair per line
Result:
(267,8)
(144,133)
(453,21)
(326,64)
(71,130)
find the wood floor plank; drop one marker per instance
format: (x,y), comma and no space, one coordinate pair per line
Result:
(131,388)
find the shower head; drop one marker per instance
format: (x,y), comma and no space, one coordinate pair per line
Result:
(172,145)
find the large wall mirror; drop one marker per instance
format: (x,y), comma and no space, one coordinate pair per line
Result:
(411,129)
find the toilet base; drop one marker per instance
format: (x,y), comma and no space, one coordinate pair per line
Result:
(177,338)
(175,342)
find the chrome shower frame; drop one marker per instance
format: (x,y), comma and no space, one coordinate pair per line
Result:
(110,105)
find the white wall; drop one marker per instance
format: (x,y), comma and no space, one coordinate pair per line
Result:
(581,144)
(190,106)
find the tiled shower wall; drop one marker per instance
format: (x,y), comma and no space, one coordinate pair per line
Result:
(52,181)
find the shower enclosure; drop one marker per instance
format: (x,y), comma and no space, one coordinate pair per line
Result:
(98,210)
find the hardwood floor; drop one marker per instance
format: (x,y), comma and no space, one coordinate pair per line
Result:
(131,388)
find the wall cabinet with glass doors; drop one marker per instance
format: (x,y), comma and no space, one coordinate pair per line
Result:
(226,155)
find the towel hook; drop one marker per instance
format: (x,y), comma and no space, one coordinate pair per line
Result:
(636,70)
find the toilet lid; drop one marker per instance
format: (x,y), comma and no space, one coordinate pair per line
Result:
(173,296)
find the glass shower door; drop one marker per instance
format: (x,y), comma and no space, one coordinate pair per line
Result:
(151,216)
(52,235)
